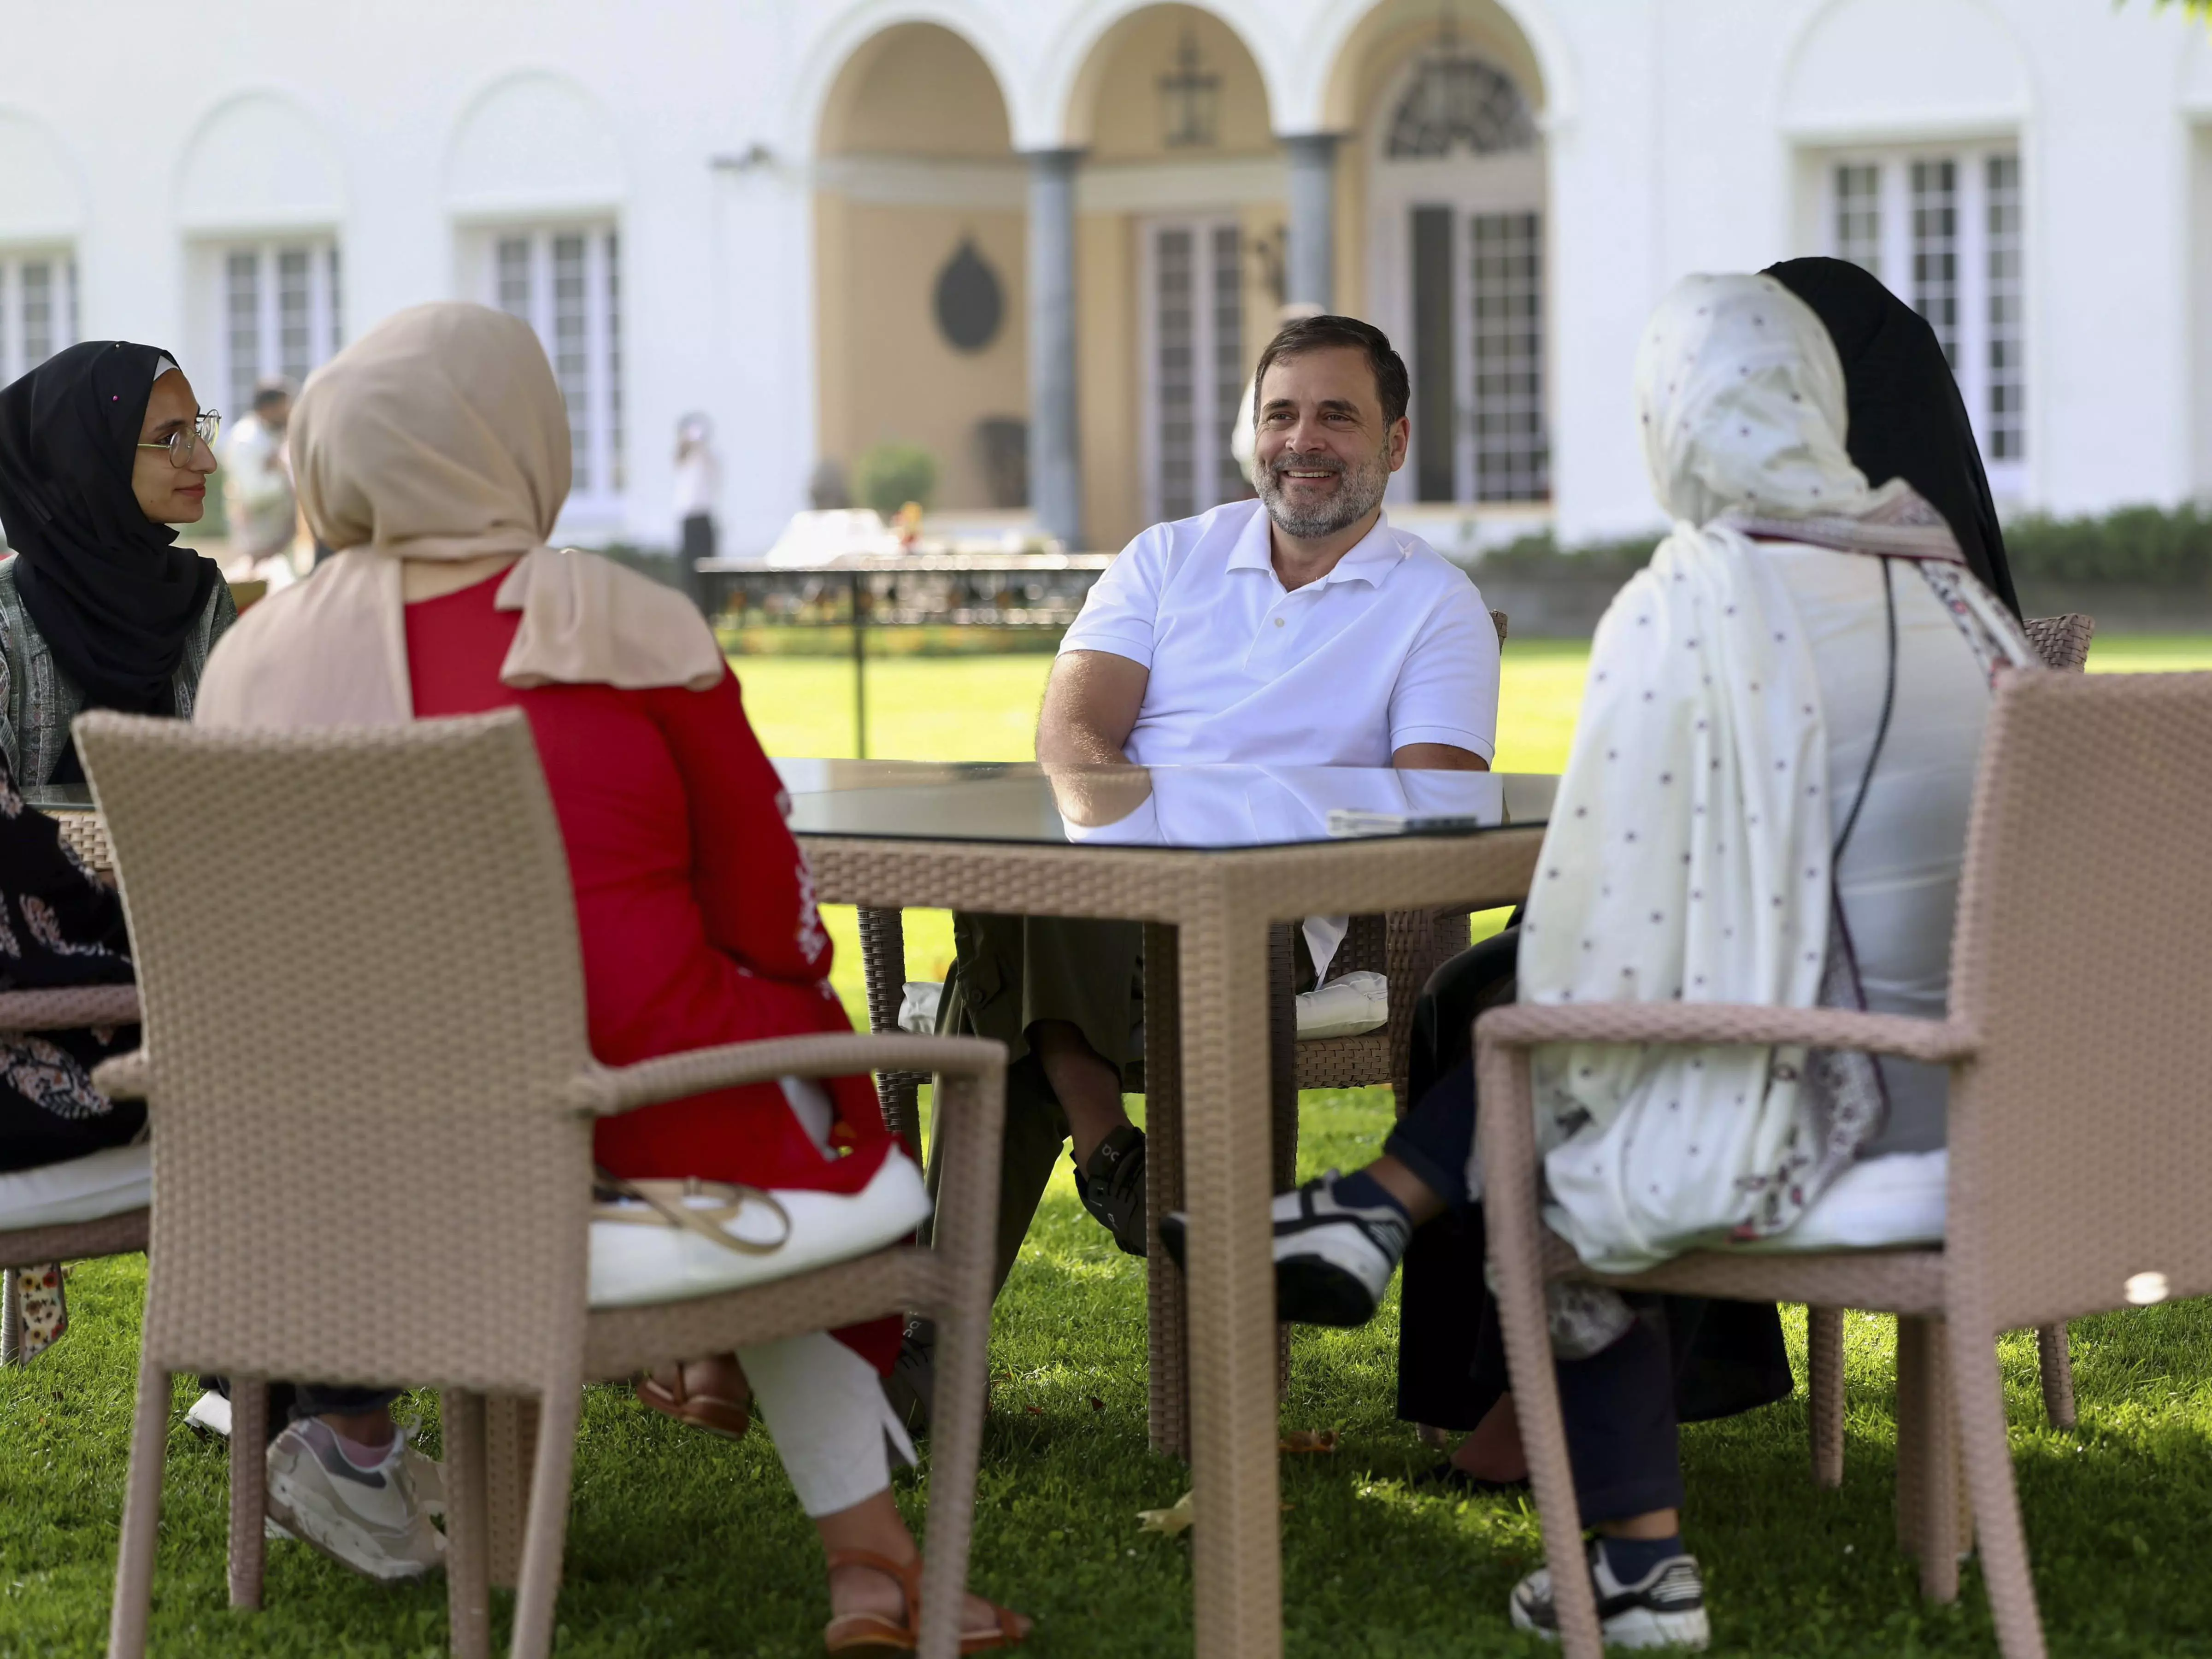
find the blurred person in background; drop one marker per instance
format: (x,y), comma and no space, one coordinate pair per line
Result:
(698,483)
(257,498)
(439,443)
(102,449)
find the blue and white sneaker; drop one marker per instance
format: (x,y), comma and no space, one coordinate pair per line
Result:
(1665,1608)
(1332,1261)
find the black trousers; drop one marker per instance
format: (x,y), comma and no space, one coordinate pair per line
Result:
(698,543)
(1686,1360)
(290,1401)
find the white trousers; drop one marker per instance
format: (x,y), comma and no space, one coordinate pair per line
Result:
(834,1430)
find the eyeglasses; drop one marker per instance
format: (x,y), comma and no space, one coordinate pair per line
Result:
(202,430)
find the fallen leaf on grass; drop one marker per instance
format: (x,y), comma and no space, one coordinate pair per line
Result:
(1034,1411)
(1321,1441)
(1097,1404)
(1172,1520)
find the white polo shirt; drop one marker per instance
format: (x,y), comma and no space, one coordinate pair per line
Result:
(1393,647)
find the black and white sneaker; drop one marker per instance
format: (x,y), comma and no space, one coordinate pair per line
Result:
(1332,1261)
(1112,1187)
(1665,1608)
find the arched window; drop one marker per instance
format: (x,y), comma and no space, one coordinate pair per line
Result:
(1461,103)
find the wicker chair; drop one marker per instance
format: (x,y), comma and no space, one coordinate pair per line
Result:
(121,1234)
(2079,1148)
(410,941)
(2063,642)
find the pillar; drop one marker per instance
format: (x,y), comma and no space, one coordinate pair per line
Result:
(1056,460)
(1312,266)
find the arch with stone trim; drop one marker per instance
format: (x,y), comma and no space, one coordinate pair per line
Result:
(44,198)
(1444,241)
(532,142)
(921,264)
(1845,79)
(259,162)
(852,35)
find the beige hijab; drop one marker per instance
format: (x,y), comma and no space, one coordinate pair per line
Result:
(440,435)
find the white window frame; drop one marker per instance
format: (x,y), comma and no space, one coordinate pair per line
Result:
(1468,186)
(2010,476)
(231,388)
(598,460)
(1207,459)
(15,358)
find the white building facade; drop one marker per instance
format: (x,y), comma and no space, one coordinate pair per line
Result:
(1045,238)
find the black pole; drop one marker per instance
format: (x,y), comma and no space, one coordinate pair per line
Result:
(859,666)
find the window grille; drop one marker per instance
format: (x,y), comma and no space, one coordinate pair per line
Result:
(565,282)
(1228,386)
(38,310)
(1936,251)
(1946,230)
(2007,384)
(1858,216)
(279,316)
(1456,102)
(1512,457)
(1195,364)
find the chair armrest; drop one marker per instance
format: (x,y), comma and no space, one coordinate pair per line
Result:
(126,1076)
(606,1090)
(1521,1025)
(65,1008)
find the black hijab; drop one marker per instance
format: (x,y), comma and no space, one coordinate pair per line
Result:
(1907,419)
(114,597)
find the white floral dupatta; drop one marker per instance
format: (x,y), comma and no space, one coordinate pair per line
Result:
(1689,849)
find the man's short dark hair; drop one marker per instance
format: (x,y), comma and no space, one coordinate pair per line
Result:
(269,393)
(1305,334)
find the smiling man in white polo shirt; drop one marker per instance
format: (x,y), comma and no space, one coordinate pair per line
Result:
(1298,629)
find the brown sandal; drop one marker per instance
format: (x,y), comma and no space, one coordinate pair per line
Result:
(866,1633)
(728,1418)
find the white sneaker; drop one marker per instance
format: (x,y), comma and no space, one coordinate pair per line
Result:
(427,1475)
(370,1520)
(1665,1608)
(209,1415)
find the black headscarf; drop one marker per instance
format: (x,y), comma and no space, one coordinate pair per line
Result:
(1907,419)
(113,595)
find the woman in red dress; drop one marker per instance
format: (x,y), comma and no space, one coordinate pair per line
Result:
(435,453)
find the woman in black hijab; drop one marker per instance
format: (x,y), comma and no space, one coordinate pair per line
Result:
(1907,419)
(102,447)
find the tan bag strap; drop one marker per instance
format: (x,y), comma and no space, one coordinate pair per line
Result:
(663,1199)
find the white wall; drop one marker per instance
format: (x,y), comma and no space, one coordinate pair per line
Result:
(1675,145)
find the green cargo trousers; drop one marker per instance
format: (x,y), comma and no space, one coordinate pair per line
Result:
(1010,972)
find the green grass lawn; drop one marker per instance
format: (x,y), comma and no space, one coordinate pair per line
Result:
(681,1545)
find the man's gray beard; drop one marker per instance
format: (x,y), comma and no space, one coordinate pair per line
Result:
(1360,494)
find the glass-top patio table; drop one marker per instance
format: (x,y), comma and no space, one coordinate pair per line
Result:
(1209,858)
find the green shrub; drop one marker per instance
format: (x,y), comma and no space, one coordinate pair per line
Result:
(1537,558)
(889,476)
(2147,546)
(2133,546)
(664,567)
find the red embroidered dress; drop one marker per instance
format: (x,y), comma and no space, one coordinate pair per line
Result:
(694,903)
